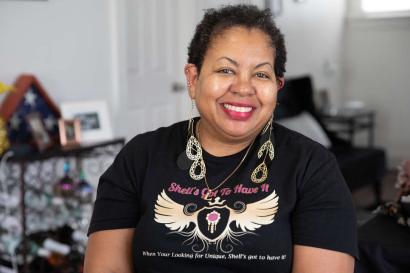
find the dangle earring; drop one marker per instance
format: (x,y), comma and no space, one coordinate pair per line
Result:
(260,173)
(193,151)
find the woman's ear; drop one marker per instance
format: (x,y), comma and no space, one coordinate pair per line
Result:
(280,82)
(191,75)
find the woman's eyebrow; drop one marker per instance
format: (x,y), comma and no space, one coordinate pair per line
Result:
(265,63)
(230,60)
(237,64)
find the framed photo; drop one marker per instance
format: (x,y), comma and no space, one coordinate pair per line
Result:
(41,137)
(93,116)
(70,132)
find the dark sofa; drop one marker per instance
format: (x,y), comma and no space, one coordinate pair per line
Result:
(360,166)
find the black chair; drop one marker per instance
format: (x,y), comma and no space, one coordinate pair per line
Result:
(359,166)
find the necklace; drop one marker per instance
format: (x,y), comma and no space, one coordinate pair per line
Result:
(210,190)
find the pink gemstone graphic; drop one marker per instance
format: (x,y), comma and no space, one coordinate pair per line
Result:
(213,216)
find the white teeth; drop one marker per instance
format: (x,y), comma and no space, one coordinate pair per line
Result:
(237,108)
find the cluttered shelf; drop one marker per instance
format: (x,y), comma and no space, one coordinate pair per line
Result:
(59,151)
(46,212)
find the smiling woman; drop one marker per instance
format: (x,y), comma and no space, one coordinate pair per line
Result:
(234,89)
(231,190)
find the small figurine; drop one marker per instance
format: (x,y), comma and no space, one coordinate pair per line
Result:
(83,190)
(65,187)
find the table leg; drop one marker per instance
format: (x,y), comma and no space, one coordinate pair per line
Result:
(371,131)
(351,131)
(23,216)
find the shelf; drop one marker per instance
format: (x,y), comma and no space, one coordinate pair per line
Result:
(33,177)
(65,152)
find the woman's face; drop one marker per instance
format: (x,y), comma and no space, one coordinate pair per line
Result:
(236,90)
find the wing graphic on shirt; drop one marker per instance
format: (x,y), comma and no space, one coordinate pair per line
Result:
(172,214)
(217,220)
(256,214)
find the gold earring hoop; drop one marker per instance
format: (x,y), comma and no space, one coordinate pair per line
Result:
(190,120)
(188,82)
(260,173)
(193,150)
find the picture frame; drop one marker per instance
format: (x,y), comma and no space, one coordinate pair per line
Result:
(41,137)
(94,119)
(70,132)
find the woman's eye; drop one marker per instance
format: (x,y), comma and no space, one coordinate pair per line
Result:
(225,71)
(262,75)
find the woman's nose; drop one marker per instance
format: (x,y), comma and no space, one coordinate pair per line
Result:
(243,86)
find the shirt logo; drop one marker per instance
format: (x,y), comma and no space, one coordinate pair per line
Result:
(213,224)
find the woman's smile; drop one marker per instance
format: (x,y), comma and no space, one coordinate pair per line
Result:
(238,111)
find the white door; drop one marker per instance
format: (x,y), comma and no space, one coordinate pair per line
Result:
(154,73)
(157,33)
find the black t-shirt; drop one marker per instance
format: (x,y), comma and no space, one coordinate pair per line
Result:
(246,227)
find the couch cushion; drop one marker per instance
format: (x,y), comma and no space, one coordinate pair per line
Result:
(361,166)
(307,125)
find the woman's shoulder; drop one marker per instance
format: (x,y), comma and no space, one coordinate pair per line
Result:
(296,143)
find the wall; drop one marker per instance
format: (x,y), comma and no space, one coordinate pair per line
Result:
(65,43)
(313,32)
(377,71)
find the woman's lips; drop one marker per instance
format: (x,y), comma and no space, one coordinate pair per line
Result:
(236,111)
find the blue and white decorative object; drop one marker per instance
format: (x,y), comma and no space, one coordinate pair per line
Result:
(28,97)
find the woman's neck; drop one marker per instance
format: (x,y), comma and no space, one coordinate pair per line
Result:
(217,145)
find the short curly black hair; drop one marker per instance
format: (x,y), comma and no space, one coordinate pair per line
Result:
(215,21)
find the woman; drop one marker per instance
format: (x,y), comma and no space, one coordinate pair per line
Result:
(230,191)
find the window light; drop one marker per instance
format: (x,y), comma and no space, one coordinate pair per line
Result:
(385,5)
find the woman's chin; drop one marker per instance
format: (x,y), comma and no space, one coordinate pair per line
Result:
(239,133)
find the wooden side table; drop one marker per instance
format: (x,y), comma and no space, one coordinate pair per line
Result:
(348,123)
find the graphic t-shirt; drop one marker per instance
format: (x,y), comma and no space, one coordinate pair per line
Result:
(238,227)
